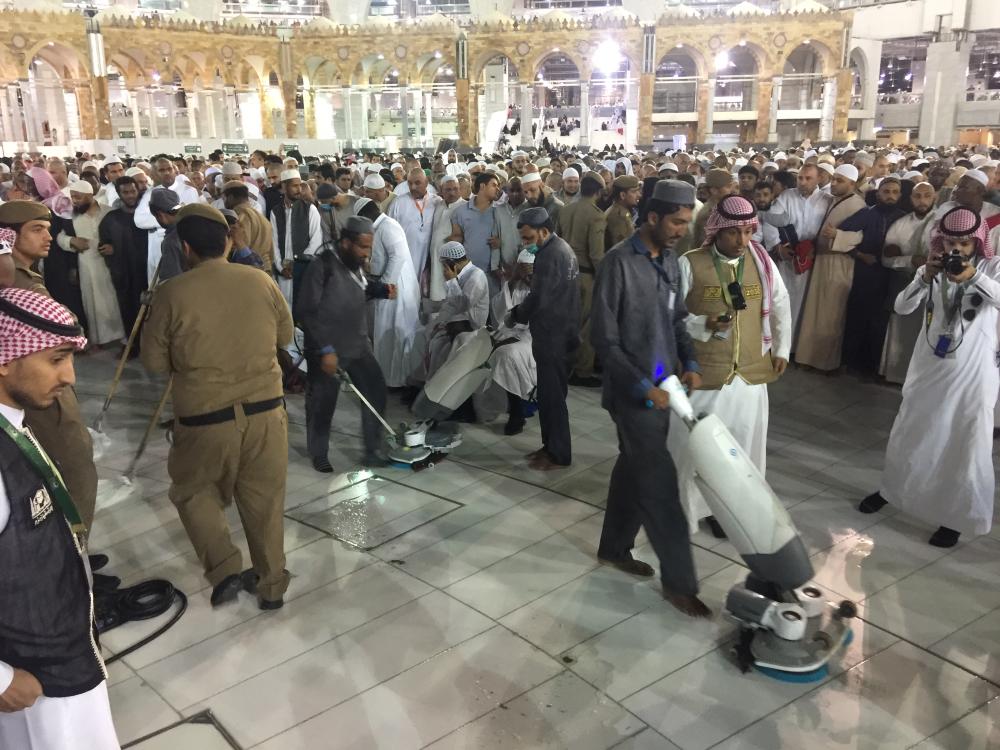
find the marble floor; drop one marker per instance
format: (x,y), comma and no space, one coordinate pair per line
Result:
(462,606)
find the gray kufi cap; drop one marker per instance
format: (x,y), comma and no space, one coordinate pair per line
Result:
(674,191)
(536,217)
(359,225)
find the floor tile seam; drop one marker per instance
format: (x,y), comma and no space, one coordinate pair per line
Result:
(182,554)
(334,638)
(503,559)
(953,723)
(647,729)
(963,627)
(995,684)
(258,615)
(540,487)
(724,643)
(819,685)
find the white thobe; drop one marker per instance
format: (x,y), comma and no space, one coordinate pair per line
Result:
(79,722)
(144,219)
(906,234)
(467,298)
(186,192)
(100,302)
(806,214)
(513,365)
(439,235)
(938,463)
(315,243)
(417,219)
(107,195)
(394,321)
(742,408)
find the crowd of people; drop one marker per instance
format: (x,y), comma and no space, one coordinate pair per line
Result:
(604,270)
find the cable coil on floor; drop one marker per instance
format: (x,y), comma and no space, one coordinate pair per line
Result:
(144,601)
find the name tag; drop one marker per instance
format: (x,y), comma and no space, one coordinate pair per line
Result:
(41,506)
(711,293)
(752,291)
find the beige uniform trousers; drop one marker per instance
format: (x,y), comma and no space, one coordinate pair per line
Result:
(245,459)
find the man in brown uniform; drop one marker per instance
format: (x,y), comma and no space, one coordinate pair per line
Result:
(59,428)
(582,225)
(626,191)
(253,227)
(215,328)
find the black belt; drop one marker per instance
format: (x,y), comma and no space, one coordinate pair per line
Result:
(589,271)
(229,413)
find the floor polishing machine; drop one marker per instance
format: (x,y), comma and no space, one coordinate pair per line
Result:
(787,628)
(427,440)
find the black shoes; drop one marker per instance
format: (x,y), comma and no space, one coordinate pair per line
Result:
(873,503)
(944,537)
(514,426)
(631,566)
(585,382)
(716,528)
(271,605)
(106,583)
(226,591)
(322,464)
(97,562)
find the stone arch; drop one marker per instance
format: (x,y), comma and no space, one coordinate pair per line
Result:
(536,63)
(859,66)
(66,60)
(682,61)
(802,78)
(829,62)
(484,58)
(430,69)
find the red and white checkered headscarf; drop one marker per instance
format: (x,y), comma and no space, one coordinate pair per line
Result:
(31,322)
(731,211)
(962,223)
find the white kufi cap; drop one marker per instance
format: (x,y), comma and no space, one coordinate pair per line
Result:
(847,170)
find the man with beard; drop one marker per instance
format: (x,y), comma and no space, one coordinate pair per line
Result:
(720,183)
(297,234)
(451,199)
(748,176)
(867,317)
(537,195)
(626,192)
(906,249)
(331,306)
(251,228)
(123,246)
(113,169)
(766,234)
(570,186)
(415,210)
(822,330)
(551,310)
(104,322)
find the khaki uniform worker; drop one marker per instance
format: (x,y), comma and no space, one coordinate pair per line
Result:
(625,192)
(59,427)
(216,328)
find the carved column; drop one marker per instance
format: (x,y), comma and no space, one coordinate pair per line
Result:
(644,132)
(765,92)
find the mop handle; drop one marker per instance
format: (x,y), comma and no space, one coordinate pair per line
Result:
(149,429)
(346,379)
(128,346)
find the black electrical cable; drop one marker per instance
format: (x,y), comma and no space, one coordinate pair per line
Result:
(144,601)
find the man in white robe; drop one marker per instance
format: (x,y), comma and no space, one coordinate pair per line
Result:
(451,198)
(803,208)
(512,363)
(415,211)
(394,321)
(939,462)
(100,302)
(464,310)
(113,169)
(756,336)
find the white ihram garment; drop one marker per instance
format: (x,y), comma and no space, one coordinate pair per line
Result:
(939,464)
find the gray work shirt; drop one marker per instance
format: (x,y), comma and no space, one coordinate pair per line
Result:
(477,228)
(637,321)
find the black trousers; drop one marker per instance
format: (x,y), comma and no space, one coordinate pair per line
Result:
(867,318)
(553,384)
(644,493)
(322,391)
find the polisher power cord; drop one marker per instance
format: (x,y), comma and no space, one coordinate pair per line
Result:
(144,601)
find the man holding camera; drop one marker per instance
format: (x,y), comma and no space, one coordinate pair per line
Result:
(938,463)
(741,327)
